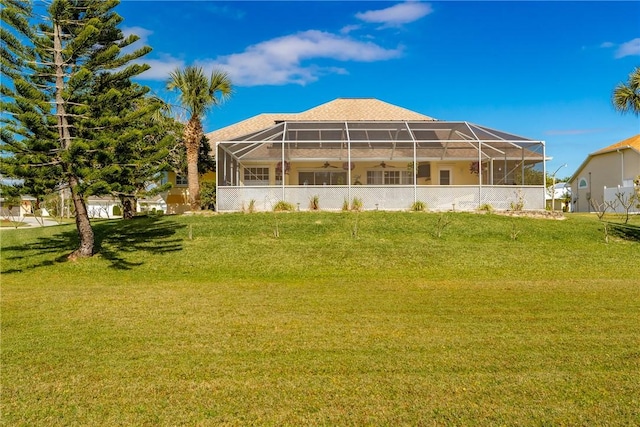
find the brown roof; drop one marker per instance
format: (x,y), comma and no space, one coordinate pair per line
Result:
(351,109)
(633,142)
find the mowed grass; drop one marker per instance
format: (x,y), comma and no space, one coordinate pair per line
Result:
(344,319)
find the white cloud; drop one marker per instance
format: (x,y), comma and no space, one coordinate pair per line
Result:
(630,48)
(143,33)
(280,61)
(349,28)
(396,15)
(160,68)
(607,45)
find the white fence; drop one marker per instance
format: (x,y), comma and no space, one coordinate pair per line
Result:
(397,197)
(617,197)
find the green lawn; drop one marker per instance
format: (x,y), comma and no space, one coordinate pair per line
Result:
(344,319)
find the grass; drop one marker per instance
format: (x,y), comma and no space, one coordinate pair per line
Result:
(236,327)
(11,224)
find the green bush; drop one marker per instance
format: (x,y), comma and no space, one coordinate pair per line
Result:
(486,207)
(357,204)
(208,195)
(283,206)
(419,206)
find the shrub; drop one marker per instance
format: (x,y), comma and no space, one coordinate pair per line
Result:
(486,207)
(419,206)
(283,206)
(356,204)
(208,195)
(314,203)
(518,205)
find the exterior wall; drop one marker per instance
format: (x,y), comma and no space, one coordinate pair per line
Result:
(459,171)
(101,208)
(25,208)
(603,170)
(177,197)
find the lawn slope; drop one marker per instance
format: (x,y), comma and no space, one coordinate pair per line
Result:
(343,319)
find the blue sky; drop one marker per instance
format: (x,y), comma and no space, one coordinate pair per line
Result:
(543,70)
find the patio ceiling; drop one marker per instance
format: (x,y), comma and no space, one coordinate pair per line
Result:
(306,140)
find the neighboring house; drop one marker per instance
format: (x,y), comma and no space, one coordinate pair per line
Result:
(177,198)
(110,207)
(559,199)
(386,156)
(25,208)
(103,207)
(152,204)
(611,167)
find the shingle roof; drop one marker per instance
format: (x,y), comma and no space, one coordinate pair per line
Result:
(633,142)
(339,109)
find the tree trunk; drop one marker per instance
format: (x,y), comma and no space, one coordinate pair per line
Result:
(85,232)
(192,135)
(128,206)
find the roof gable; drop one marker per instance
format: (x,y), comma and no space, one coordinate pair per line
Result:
(342,109)
(633,142)
(351,109)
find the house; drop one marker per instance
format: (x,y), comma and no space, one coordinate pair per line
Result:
(103,207)
(13,209)
(558,197)
(152,204)
(110,207)
(177,198)
(604,173)
(386,156)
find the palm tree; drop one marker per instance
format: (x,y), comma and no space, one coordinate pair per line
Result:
(626,97)
(197,95)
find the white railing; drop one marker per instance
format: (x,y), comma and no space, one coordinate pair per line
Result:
(617,197)
(396,197)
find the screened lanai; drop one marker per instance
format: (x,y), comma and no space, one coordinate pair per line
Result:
(386,164)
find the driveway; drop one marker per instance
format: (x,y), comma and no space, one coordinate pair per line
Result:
(32,222)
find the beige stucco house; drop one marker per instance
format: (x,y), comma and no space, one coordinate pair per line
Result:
(386,156)
(177,198)
(611,167)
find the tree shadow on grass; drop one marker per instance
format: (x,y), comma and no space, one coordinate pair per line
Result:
(114,240)
(625,231)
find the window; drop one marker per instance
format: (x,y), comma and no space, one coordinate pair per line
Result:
(322,178)
(256,176)
(445,177)
(397,177)
(164,178)
(583,183)
(181,180)
(424,170)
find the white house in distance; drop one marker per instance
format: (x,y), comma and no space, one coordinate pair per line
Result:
(605,172)
(386,156)
(558,197)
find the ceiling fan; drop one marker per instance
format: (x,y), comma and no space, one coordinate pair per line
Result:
(328,165)
(383,165)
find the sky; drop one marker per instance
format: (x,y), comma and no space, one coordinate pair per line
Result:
(541,70)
